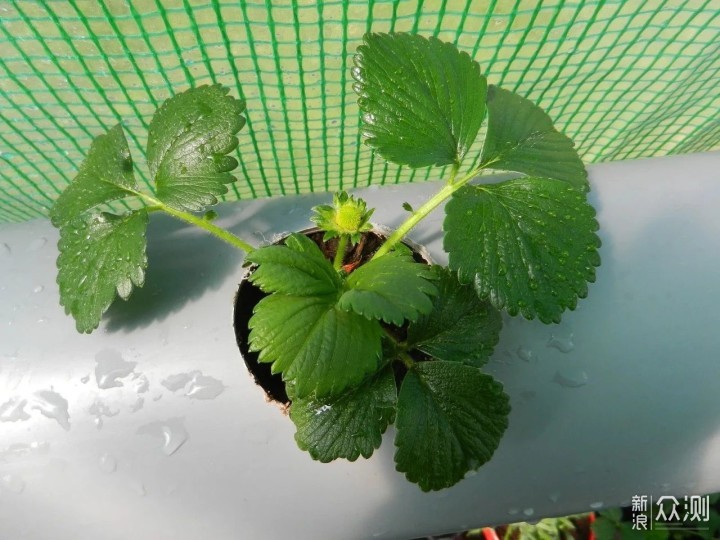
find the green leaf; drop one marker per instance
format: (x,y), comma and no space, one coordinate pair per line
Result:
(521,138)
(105,175)
(349,425)
(626,532)
(188,140)
(393,288)
(422,100)
(450,419)
(529,244)
(460,328)
(100,255)
(298,268)
(605,529)
(320,347)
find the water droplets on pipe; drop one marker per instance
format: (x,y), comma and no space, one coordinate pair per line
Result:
(52,405)
(172,432)
(110,366)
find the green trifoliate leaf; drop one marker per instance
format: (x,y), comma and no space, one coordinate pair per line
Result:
(104,176)
(347,426)
(450,419)
(521,138)
(347,215)
(100,255)
(298,268)
(529,244)
(422,100)
(321,348)
(393,288)
(188,140)
(460,328)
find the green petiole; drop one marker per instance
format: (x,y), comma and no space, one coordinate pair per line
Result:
(421,213)
(340,253)
(155,205)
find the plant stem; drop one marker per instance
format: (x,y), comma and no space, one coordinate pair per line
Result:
(453,173)
(422,212)
(406,359)
(217,232)
(340,253)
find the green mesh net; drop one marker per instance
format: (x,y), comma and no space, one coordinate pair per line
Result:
(624,79)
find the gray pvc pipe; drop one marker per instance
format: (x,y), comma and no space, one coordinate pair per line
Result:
(151,427)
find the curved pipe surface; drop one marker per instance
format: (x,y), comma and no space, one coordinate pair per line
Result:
(152,428)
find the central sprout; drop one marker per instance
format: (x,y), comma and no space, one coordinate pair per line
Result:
(346,216)
(349,218)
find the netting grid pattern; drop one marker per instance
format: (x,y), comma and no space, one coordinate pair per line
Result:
(624,79)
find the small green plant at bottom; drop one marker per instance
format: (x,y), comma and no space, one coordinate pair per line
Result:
(361,347)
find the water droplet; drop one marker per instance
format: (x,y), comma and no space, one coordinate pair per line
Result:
(38,289)
(571,377)
(140,383)
(562,344)
(85,379)
(596,505)
(13,483)
(524,354)
(528,512)
(554,497)
(37,244)
(13,410)
(20,449)
(138,488)
(204,387)
(172,432)
(107,463)
(513,511)
(42,320)
(357,74)
(139,402)
(99,409)
(177,381)
(111,367)
(322,409)
(52,405)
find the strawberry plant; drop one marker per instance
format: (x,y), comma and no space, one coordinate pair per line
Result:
(392,340)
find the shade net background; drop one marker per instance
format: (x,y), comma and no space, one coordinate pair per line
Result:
(625,79)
